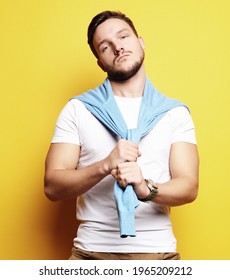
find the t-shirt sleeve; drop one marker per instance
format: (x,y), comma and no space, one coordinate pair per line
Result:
(66,129)
(184,130)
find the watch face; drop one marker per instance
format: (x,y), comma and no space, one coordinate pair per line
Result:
(150,186)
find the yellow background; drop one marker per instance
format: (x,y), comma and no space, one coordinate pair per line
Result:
(45,60)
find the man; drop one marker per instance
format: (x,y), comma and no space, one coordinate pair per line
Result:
(87,156)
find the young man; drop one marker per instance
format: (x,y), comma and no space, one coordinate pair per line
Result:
(151,154)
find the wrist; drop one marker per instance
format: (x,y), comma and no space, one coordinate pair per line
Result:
(104,168)
(153,190)
(142,190)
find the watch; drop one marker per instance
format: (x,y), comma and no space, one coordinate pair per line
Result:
(153,190)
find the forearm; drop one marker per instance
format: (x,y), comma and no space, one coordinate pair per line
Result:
(63,180)
(63,184)
(177,192)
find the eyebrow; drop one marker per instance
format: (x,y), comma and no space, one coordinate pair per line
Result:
(105,40)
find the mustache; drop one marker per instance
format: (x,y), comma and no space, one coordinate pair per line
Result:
(121,55)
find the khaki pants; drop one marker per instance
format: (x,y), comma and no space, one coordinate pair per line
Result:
(79,254)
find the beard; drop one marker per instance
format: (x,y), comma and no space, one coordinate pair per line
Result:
(124,75)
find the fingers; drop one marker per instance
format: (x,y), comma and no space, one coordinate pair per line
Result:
(128,151)
(128,173)
(124,151)
(114,173)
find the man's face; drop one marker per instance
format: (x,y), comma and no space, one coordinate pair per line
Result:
(120,51)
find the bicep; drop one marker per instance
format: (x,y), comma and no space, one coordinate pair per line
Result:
(62,156)
(184,161)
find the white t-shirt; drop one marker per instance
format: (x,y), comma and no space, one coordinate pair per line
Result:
(96,209)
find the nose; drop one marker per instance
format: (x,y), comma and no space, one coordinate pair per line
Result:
(118,49)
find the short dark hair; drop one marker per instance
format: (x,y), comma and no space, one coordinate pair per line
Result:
(100,18)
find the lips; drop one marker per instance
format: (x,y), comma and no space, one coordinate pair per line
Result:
(124,55)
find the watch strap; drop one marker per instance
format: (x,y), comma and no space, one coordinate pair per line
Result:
(153,190)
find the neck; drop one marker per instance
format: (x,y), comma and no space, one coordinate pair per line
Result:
(133,87)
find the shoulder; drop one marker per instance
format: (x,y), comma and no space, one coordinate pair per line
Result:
(179,115)
(179,111)
(182,125)
(73,108)
(74,104)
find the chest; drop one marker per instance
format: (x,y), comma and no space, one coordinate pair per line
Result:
(97,141)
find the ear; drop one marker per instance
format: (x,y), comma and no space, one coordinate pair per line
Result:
(142,43)
(100,65)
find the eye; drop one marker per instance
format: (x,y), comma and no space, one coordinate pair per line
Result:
(104,48)
(124,35)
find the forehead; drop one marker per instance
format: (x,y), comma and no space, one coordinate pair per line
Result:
(109,28)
